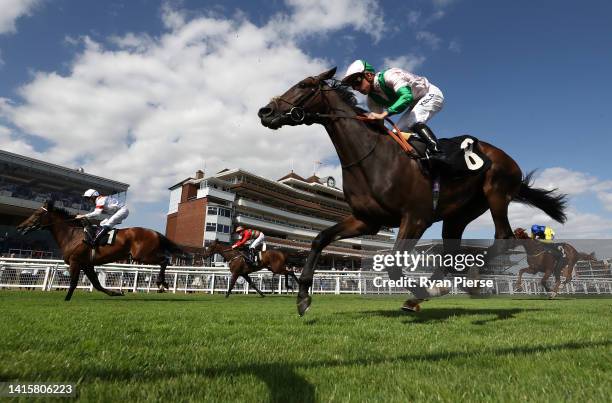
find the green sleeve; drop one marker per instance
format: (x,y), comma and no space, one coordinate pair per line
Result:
(404,99)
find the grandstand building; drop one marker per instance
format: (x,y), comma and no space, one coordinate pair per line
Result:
(26,183)
(291,211)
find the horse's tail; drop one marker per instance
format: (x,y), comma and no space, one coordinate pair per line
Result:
(587,256)
(549,201)
(170,247)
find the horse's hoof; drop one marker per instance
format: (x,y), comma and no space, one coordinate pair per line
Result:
(304,305)
(411,306)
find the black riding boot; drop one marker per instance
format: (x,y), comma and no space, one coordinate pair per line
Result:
(101,232)
(558,256)
(427,135)
(253,253)
(90,232)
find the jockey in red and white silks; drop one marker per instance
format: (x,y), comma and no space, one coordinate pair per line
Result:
(246,234)
(108,205)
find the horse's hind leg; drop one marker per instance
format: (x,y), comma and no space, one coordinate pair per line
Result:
(161,283)
(502,183)
(452,231)
(252,284)
(93,279)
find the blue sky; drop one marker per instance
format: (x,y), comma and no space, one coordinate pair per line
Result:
(147,91)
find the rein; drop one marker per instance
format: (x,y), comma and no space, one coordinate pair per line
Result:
(298,114)
(53,223)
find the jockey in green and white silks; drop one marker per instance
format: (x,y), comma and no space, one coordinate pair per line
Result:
(393,91)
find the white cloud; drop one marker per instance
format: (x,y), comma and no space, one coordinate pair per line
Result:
(150,111)
(12,10)
(429,38)
(414,17)
(406,62)
(579,224)
(454,46)
(321,16)
(9,142)
(606,199)
(571,182)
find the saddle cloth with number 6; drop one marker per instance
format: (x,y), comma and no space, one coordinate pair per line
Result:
(465,158)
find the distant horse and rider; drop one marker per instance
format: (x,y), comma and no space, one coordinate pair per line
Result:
(241,265)
(386,186)
(549,258)
(138,244)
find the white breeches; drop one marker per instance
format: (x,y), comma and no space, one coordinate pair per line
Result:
(257,241)
(424,109)
(116,218)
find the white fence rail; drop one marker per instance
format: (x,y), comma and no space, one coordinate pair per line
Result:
(46,275)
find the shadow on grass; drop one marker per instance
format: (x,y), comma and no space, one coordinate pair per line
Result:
(284,381)
(440,314)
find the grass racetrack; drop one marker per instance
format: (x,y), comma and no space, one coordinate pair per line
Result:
(199,347)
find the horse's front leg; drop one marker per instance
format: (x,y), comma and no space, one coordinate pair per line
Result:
(74,270)
(93,279)
(555,291)
(545,278)
(350,227)
(410,231)
(232,283)
(519,282)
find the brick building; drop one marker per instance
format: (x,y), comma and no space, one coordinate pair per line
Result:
(291,211)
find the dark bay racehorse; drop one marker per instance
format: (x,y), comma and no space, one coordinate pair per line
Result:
(140,244)
(384,185)
(540,260)
(273,260)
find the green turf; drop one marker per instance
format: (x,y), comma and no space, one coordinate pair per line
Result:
(347,348)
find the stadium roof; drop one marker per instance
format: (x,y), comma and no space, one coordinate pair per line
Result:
(18,167)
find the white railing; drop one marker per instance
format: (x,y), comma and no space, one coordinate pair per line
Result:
(46,275)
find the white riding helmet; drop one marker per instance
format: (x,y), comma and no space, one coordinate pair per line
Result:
(358,67)
(91,193)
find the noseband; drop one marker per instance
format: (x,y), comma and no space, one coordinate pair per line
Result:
(297,113)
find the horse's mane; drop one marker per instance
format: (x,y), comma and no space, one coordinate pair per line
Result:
(65,215)
(350,100)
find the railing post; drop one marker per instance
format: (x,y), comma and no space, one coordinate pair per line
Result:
(135,288)
(212,284)
(46,279)
(150,279)
(175,282)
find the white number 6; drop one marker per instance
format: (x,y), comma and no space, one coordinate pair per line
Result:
(472,160)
